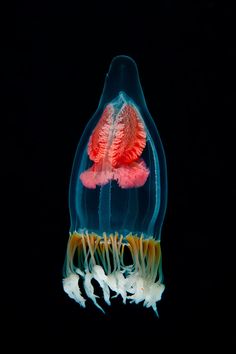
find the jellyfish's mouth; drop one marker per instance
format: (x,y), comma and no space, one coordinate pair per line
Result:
(103,258)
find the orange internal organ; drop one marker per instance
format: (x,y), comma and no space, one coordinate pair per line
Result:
(115,146)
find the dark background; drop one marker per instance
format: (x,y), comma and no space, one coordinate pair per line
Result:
(56,57)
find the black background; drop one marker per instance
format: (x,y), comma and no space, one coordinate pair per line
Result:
(56,57)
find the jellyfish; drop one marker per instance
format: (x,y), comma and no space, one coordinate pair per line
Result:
(117,199)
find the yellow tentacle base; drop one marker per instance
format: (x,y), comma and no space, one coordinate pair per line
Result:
(128,265)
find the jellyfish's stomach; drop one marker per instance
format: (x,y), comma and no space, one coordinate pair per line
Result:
(117,197)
